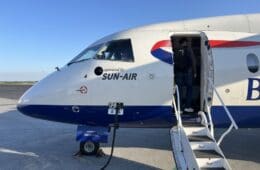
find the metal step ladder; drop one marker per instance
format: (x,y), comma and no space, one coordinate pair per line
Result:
(193,143)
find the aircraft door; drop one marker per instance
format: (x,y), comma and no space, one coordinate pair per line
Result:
(199,44)
(207,71)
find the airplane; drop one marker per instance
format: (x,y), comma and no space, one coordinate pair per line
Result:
(135,69)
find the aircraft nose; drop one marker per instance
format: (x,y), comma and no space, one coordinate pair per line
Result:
(21,108)
(37,103)
(25,101)
(30,101)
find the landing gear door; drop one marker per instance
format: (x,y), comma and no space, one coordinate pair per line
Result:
(207,73)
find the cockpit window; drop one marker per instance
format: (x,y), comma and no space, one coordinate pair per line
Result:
(86,54)
(117,50)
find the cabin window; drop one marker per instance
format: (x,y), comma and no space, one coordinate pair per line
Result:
(118,50)
(252,63)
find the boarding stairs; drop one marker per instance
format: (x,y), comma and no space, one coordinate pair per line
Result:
(193,142)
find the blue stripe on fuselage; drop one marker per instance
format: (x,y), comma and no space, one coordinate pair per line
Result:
(153,116)
(163,55)
(245,116)
(138,116)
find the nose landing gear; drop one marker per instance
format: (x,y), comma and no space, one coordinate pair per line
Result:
(90,139)
(89,147)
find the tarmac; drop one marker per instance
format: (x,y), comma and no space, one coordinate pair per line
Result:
(28,143)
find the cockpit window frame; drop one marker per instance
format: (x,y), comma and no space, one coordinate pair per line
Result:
(75,59)
(130,48)
(100,46)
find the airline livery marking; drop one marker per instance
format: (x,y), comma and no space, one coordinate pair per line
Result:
(232,44)
(119,76)
(252,88)
(160,53)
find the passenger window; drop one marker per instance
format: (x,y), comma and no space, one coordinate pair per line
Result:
(252,63)
(118,50)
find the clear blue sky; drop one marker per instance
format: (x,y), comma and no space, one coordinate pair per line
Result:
(37,35)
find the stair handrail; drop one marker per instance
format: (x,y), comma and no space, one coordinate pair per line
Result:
(210,117)
(233,123)
(178,115)
(177,107)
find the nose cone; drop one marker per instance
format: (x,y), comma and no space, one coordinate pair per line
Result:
(40,100)
(44,102)
(50,98)
(22,108)
(27,101)
(46,92)
(54,97)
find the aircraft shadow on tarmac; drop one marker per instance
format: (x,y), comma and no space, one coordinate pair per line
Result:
(241,144)
(37,144)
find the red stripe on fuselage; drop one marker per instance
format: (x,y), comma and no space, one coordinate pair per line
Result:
(163,43)
(230,44)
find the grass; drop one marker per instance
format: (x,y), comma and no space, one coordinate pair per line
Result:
(17,82)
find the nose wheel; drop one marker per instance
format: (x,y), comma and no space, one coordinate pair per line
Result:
(89,139)
(89,147)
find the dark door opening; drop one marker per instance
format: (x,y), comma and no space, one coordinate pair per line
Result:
(194,45)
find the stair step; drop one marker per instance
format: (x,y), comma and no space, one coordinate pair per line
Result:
(217,168)
(211,163)
(199,138)
(192,124)
(203,145)
(196,131)
(189,114)
(207,154)
(196,144)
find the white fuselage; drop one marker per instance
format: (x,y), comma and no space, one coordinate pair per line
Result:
(145,85)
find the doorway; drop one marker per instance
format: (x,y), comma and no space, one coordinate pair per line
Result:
(198,45)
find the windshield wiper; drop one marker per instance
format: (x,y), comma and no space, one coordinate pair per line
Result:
(77,61)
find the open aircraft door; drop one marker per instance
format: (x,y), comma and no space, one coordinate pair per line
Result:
(205,60)
(207,71)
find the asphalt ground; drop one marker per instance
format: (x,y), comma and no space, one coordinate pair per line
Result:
(28,143)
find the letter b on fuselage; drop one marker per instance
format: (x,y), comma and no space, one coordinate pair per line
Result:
(253,92)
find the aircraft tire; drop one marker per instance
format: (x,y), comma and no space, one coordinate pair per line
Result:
(89,147)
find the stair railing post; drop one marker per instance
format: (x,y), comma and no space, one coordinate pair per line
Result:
(210,118)
(178,102)
(233,123)
(178,114)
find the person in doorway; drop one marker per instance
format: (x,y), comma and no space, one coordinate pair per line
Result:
(185,71)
